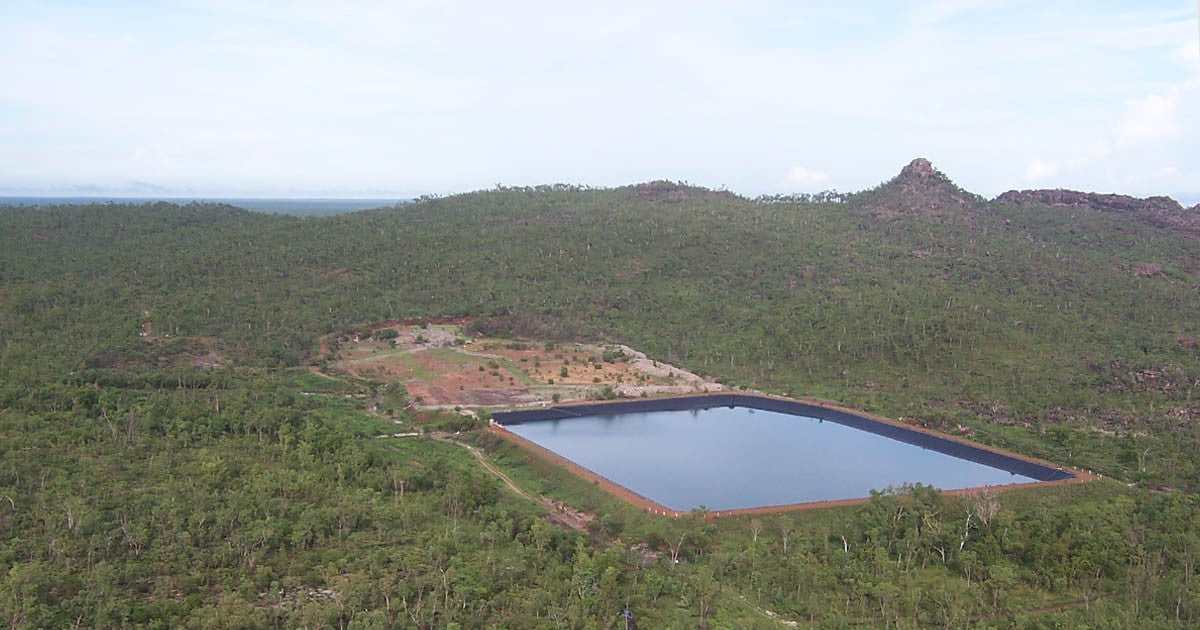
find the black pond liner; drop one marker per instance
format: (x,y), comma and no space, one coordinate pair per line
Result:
(954,448)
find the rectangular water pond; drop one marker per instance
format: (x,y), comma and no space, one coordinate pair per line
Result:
(757,452)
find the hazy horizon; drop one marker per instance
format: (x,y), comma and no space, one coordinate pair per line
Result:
(69,196)
(385,99)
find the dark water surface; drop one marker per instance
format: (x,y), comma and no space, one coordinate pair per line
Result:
(725,458)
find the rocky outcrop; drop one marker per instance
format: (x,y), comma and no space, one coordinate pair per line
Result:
(670,192)
(1098,201)
(660,191)
(919,189)
(1162,212)
(920,176)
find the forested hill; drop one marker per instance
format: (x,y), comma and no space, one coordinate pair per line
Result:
(914,299)
(1067,331)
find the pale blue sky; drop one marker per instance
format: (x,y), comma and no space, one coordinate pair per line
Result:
(246,97)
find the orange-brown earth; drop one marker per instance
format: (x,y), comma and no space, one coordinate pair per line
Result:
(440,367)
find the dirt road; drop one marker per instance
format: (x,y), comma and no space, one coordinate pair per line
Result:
(560,514)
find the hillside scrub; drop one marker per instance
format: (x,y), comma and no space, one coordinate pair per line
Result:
(158,420)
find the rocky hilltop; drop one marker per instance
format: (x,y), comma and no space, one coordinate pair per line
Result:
(919,189)
(1162,212)
(662,191)
(922,190)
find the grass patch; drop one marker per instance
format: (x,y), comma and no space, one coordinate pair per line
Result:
(539,476)
(304,380)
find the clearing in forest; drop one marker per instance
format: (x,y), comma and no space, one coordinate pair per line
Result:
(442,367)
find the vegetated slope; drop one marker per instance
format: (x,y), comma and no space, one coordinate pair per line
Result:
(1066,332)
(951,311)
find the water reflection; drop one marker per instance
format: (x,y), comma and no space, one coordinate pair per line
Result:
(727,458)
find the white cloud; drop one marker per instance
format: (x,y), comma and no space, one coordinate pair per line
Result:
(1188,51)
(441,97)
(799,177)
(1167,172)
(935,11)
(1148,119)
(1037,169)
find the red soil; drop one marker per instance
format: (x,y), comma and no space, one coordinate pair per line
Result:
(487,372)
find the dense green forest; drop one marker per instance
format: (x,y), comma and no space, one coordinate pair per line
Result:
(168,459)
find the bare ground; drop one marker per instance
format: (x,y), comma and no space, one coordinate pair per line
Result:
(441,368)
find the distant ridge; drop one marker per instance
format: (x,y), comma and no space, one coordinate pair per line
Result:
(297,206)
(923,191)
(1159,211)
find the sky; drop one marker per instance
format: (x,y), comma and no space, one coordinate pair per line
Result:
(398,98)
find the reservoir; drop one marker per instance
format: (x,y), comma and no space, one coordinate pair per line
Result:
(734,457)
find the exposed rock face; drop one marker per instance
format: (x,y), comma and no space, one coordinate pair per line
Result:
(660,191)
(919,189)
(920,178)
(1098,201)
(1162,212)
(920,168)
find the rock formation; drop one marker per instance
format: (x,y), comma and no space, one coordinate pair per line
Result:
(919,189)
(1162,212)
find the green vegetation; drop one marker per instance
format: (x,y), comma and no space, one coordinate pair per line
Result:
(168,459)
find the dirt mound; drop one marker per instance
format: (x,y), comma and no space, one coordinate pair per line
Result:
(1162,212)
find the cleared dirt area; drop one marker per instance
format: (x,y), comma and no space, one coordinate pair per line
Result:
(441,367)
(197,351)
